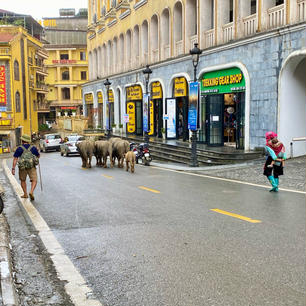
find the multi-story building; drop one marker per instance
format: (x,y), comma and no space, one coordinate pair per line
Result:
(67,63)
(22,85)
(251,70)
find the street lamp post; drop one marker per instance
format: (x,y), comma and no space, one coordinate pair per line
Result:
(107,84)
(147,73)
(195,53)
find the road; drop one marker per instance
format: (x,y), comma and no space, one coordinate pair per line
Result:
(159,237)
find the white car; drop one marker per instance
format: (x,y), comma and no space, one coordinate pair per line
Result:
(68,147)
(50,142)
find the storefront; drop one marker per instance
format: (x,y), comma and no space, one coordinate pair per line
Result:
(156,110)
(89,109)
(177,110)
(134,110)
(100,109)
(222,109)
(68,110)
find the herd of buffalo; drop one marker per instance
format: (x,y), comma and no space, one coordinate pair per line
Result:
(115,148)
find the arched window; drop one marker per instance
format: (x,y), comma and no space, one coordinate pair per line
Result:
(145,42)
(16,71)
(165,34)
(178,28)
(154,39)
(17,102)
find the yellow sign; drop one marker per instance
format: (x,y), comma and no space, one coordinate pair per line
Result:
(157,92)
(5,122)
(130,110)
(151,118)
(110,96)
(50,23)
(134,93)
(180,87)
(89,98)
(100,97)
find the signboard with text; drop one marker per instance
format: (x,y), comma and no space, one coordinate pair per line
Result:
(171,122)
(146,112)
(2,86)
(193,105)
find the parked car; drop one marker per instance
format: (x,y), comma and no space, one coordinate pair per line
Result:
(50,142)
(68,146)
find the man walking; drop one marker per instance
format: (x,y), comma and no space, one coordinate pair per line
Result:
(27,158)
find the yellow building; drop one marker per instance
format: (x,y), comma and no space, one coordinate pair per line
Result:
(67,63)
(22,85)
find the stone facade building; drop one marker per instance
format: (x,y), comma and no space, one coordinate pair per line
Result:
(251,70)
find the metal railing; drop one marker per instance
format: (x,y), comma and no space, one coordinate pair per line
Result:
(193,40)
(250,25)
(276,16)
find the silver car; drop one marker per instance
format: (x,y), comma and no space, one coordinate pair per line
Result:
(68,147)
(50,142)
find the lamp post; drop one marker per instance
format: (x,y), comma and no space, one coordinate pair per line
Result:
(147,73)
(195,53)
(107,84)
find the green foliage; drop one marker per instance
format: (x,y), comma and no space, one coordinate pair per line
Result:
(43,127)
(114,125)
(120,126)
(19,22)
(163,130)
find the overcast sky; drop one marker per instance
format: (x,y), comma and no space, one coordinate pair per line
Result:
(41,8)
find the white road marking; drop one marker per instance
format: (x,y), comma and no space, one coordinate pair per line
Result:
(76,286)
(227,180)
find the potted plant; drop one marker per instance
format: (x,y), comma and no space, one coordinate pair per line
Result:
(163,130)
(114,127)
(121,128)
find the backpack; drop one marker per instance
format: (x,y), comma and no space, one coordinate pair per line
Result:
(27,160)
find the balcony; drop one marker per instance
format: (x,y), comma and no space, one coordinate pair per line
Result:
(228,32)
(5,51)
(43,107)
(193,40)
(42,71)
(179,48)
(42,53)
(166,52)
(41,87)
(249,25)
(301,10)
(208,38)
(276,16)
(145,58)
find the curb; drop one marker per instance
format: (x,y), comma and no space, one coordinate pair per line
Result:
(6,280)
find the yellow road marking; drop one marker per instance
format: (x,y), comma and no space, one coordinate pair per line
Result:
(148,189)
(235,215)
(84,168)
(107,176)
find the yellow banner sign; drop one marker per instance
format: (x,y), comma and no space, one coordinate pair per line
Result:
(89,98)
(157,92)
(151,118)
(111,96)
(100,97)
(134,93)
(180,87)
(130,110)
(5,122)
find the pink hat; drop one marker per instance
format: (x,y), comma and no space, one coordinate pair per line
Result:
(270,135)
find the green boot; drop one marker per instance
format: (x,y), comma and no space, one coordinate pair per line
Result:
(276,183)
(272,182)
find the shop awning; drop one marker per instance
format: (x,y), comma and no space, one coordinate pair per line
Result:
(3,132)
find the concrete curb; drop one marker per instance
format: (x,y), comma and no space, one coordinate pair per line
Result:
(8,291)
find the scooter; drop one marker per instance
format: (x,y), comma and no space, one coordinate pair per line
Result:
(142,152)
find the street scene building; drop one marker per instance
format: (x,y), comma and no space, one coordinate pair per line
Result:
(23,87)
(251,69)
(67,63)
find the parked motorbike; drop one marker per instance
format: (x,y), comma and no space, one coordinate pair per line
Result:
(142,152)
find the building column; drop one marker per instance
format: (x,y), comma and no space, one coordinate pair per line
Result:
(71,93)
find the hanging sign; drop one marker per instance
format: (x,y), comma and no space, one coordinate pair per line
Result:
(193,105)
(89,98)
(171,122)
(146,112)
(151,118)
(223,81)
(157,92)
(110,96)
(180,87)
(100,97)
(2,86)
(133,93)
(130,109)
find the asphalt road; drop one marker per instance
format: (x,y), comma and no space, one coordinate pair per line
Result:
(159,237)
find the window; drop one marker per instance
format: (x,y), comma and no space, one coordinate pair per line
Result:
(253,7)
(65,75)
(83,75)
(231,12)
(83,56)
(16,71)
(64,56)
(17,102)
(279,2)
(66,93)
